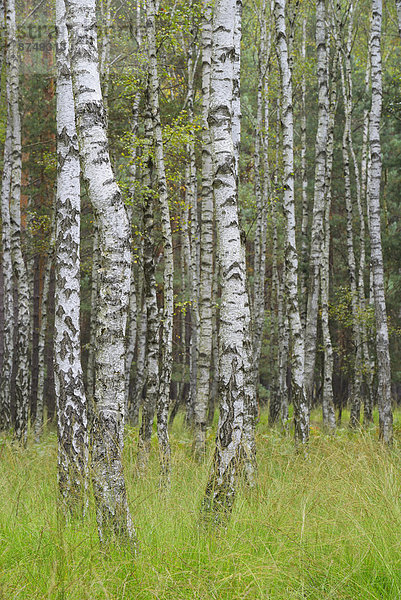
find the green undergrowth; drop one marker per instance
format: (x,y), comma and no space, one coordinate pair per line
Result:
(322,527)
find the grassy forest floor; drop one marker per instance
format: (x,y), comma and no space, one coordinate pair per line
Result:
(324,528)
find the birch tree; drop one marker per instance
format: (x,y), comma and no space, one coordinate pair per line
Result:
(163,399)
(382,341)
(8,309)
(221,486)
(205,333)
(318,202)
(113,514)
(71,401)
(20,274)
(301,410)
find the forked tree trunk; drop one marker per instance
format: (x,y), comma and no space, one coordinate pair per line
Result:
(113,515)
(382,341)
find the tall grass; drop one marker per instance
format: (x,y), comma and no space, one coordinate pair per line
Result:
(325,527)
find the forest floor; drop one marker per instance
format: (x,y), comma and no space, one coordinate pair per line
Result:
(325,527)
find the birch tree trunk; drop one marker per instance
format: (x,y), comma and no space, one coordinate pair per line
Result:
(221,486)
(329,418)
(113,515)
(346,80)
(261,188)
(8,294)
(150,299)
(318,204)
(38,425)
(163,399)
(301,410)
(382,341)
(22,346)
(72,421)
(365,161)
(303,287)
(205,332)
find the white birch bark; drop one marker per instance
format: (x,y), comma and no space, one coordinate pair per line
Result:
(20,274)
(221,486)
(205,332)
(38,425)
(382,341)
(73,448)
(301,410)
(90,375)
(304,183)
(150,300)
(329,419)
(318,204)
(113,515)
(163,399)
(346,80)
(8,297)
(262,185)
(365,161)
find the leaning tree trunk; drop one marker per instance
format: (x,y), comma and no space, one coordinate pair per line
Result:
(301,411)
(221,486)
(163,399)
(382,341)
(113,514)
(73,445)
(8,294)
(318,204)
(20,274)
(205,332)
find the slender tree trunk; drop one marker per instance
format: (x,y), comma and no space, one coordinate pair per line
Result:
(355,304)
(22,346)
(8,295)
(38,425)
(318,204)
(163,399)
(365,160)
(301,410)
(152,314)
(261,189)
(90,377)
(205,333)
(113,515)
(382,341)
(329,418)
(303,287)
(73,446)
(221,486)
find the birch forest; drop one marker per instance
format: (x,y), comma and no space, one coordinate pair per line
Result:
(200,299)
